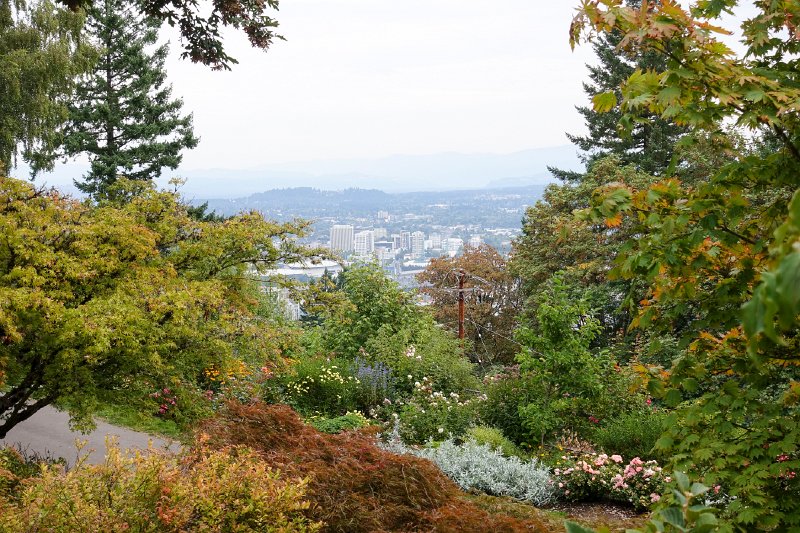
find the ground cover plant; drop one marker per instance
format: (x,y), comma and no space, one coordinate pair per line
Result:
(479,467)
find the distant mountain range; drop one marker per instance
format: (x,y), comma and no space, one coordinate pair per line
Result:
(468,206)
(397,173)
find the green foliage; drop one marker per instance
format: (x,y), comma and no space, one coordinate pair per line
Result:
(374,303)
(570,383)
(505,393)
(721,252)
(100,302)
(338,424)
(41,55)
(317,385)
(495,439)
(122,115)
(650,144)
(201,31)
(226,490)
(432,414)
(631,434)
(424,352)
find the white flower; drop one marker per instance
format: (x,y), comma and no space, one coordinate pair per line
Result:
(441,430)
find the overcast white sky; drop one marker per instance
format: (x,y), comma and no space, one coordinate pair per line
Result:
(369,78)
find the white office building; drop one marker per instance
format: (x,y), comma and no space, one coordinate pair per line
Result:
(342,238)
(364,242)
(418,244)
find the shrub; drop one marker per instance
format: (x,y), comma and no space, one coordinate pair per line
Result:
(318,385)
(631,434)
(495,439)
(354,485)
(425,351)
(16,466)
(505,392)
(479,467)
(201,490)
(431,414)
(341,423)
(596,477)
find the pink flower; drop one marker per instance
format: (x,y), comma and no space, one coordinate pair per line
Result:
(654,497)
(560,485)
(716,489)
(616,458)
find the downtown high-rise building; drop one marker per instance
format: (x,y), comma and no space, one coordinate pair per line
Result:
(417,244)
(342,238)
(364,243)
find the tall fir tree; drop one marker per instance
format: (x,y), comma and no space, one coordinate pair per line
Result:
(123,115)
(650,144)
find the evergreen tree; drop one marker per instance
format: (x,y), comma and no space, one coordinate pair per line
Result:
(649,147)
(123,114)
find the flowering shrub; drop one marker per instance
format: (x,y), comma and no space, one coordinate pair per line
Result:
(599,476)
(322,386)
(201,490)
(431,414)
(376,383)
(181,402)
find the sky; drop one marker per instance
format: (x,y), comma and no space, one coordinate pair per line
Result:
(372,78)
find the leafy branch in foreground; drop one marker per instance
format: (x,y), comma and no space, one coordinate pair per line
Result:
(722,252)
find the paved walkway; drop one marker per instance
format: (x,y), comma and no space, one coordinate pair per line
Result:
(47,433)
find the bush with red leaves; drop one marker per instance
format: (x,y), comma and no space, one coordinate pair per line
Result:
(354,485)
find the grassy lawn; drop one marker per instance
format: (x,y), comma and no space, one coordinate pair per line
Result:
(130,417)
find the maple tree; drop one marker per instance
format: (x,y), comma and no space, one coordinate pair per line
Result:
(725,252)
(123,299)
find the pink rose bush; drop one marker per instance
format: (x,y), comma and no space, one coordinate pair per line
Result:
(594,476)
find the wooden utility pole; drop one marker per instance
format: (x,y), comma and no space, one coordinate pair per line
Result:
(461,277)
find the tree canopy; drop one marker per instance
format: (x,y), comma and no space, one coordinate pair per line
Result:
(201,28)
(493,300)
(41,57)
(123,298)
(724,251)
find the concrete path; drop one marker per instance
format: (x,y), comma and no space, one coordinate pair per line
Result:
(47,433)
